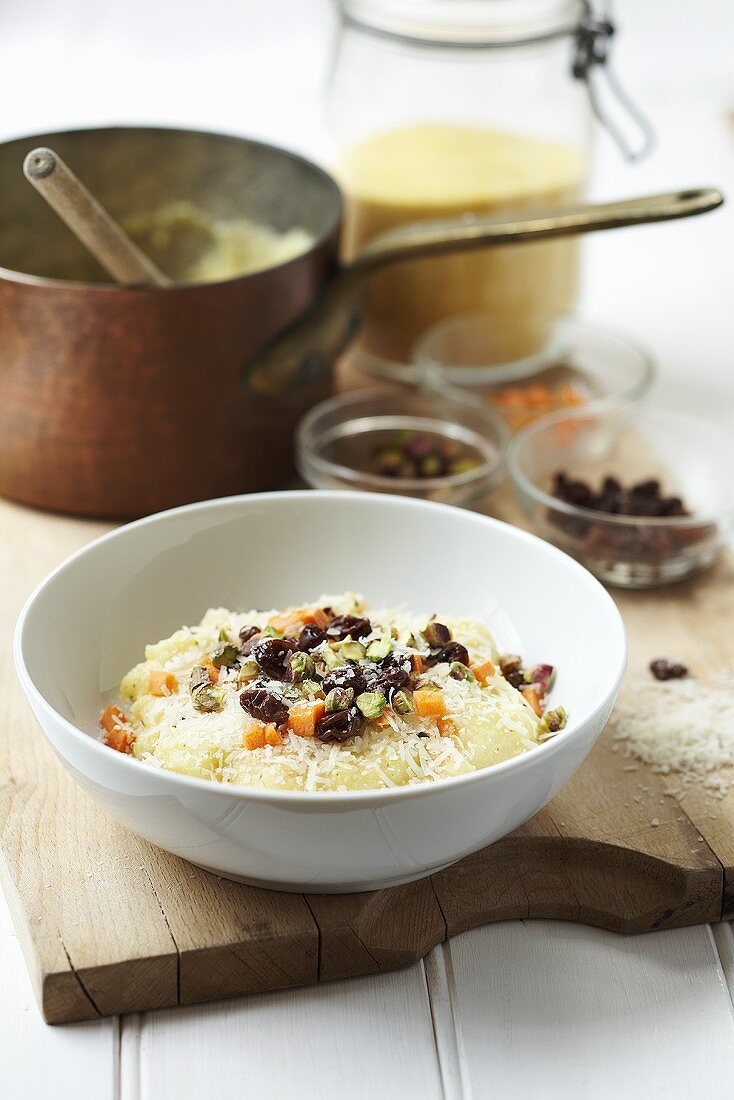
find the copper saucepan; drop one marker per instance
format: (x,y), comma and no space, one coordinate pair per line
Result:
(118,401)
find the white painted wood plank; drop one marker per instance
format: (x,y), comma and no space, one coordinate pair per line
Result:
(37,1060)
(724,940)
(365,1038)
(556,1010)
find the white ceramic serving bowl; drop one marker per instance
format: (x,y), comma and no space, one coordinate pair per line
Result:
(88,622)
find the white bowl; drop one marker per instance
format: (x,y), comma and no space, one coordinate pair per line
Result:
(87,623)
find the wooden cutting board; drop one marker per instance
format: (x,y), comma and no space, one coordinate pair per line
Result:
(111,924)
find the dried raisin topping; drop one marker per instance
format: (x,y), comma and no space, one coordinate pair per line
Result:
(344,626)
(512,670)
(392,674)
(272,655)
(264,705)
(346,676)
(340,725)
(437,635)
(664,669)
(310,637)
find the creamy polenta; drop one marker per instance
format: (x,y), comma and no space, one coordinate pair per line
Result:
(329,696)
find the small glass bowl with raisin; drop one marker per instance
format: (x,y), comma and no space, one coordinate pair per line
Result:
(641,497)
(412,442)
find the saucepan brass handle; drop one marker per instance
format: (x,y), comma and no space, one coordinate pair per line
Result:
(307,348)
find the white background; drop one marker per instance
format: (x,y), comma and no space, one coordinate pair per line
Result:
(554,1009)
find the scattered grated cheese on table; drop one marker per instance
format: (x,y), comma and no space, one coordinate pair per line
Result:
(681,726)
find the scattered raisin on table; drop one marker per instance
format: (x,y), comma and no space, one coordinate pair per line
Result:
(664,669)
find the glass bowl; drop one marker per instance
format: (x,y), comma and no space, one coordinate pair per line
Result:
(691,458)
(580,365)
(346,443)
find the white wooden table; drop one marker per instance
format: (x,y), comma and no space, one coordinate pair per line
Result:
(562,1010)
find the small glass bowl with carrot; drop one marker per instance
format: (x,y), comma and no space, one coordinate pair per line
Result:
(579,366)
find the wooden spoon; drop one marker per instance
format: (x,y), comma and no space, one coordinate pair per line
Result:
(89,221)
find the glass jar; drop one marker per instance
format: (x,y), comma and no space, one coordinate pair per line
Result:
(439,108)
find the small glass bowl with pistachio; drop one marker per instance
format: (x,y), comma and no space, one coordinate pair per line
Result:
(407,441)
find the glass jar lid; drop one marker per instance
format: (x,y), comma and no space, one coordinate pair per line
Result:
(468,22)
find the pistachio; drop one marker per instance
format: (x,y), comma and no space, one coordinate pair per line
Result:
(225,656)
(402,702)
(436,634)
(302,666)
(352,651)
(204,696)
(378,650)
(311,688)
(460,671)
(223,634)
(552,722)
(371,703)
(338,699)
(271,632)
(331,658)
(250,670)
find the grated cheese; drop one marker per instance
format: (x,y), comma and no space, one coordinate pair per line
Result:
(679,726)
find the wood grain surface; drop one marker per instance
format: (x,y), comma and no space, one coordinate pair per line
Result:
(110,924)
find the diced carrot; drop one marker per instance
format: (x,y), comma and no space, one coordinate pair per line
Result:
(317,617)
(121,740)
(285,618)
(272,736)
(304,717)
(533,698)
(483,671)
(162,683)
(429,703)
(417,662)
(254,738)
(446,727)
(212,670)
(111,718)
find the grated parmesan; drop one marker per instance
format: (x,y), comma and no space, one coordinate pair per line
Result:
(679,726)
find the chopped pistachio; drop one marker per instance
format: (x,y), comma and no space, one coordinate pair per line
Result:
(460,671)
(338,699)
(352,651)
(250,670)
(271,632)
(378,650)
(331,658)
(371,703)
(302,666)
(402,702)
(225,656)
(311,687)
(204,696)
(552,722)
(223,634)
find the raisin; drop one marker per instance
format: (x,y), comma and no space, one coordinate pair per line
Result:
(310,637)
(346,676)
(264,705)
(393,673)
(344,626)
(272,655)
(663,669)
(437,635)
(454,651)
(340,725)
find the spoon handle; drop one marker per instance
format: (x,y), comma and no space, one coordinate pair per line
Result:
(430,238)
(89,221)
